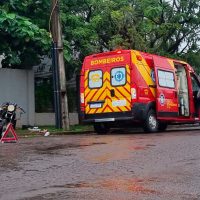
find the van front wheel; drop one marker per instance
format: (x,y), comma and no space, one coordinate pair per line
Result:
(151,122)
(101,128)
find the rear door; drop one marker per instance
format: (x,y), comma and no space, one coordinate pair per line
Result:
(95,90)
(107,88)
(119,90)
(166,93)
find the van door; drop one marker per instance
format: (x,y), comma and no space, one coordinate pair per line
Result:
(107,89)
(119,92)
(196,95)
(166,94)
(95,91)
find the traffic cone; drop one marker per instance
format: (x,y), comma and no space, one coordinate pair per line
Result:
(5,138)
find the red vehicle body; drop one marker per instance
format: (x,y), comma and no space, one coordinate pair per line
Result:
(132,87)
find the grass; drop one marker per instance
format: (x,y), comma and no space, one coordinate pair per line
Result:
(53,130)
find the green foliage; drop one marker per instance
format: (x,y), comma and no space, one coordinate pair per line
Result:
(159,26)
(90,26)
(193,58)
(21,38)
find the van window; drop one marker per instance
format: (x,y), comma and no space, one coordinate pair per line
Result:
(95,79)
(166,79)
(118,76)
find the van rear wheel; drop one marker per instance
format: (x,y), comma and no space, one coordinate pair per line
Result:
(151,122)
(101,128)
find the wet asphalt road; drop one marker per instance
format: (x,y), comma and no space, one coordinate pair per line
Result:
(110,167)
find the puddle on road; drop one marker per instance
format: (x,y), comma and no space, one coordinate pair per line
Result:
(51,149)
(150,145)
(114,153)
(97,143)
(138,148)
(59,147)
(74,185)
(125,185)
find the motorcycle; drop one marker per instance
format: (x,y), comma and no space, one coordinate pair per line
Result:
(8,115)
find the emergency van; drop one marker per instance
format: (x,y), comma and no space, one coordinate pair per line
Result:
(129,87)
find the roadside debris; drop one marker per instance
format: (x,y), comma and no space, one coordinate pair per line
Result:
(44,132)
(35,128)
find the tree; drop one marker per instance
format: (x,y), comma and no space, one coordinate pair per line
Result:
(169,28)
(89,26)
(23,38)
(92,26)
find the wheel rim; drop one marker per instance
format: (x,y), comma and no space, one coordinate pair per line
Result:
(152,122)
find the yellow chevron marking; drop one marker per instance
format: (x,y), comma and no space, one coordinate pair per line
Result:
(104,94)
(107,76)
(87,90)
(91,111)
(91,94)
(128,87)
(87,109)
(86,78)
(99,92)
(144,70)
(128,69)
(123,94)
(128,80)
(92,97)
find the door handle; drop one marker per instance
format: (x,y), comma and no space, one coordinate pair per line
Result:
(112,92)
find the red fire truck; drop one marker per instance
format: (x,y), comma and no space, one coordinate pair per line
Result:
(128,87)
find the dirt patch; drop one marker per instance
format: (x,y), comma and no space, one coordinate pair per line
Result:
(53,149)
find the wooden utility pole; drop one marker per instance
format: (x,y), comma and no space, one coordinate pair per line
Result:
(56,31)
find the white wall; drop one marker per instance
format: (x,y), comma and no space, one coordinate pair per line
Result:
(18,86)
(42,119)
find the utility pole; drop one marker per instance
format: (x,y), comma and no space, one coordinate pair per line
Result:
(56,31)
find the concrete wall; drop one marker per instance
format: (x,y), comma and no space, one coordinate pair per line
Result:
(42,119)
(18,86)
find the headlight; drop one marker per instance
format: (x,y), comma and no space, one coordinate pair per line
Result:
(11,108)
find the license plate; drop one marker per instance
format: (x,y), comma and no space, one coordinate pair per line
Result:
(95,105)
(118,103)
